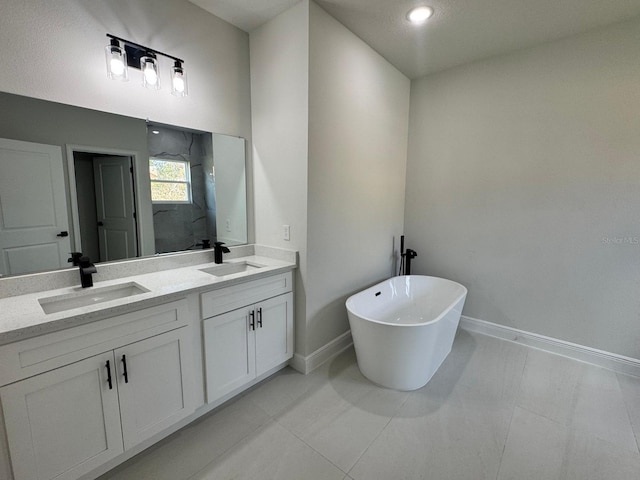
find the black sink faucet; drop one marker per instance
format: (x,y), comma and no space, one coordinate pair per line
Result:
(218,250)
(86,269)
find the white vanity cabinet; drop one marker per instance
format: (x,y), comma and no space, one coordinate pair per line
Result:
(63,423)
(66,421)
(249,334)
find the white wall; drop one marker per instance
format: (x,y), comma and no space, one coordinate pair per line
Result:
(358,127)
(230,184)
(279,96)
(330,122)
(523,183)
(55,51)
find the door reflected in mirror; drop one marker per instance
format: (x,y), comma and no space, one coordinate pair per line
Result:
(83,180)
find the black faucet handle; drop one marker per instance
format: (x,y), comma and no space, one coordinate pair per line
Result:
(75,258)
(84,261)
(219,245)
(86,266)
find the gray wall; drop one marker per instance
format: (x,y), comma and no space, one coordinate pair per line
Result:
(522,184)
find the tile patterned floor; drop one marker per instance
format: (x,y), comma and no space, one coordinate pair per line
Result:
(495,410)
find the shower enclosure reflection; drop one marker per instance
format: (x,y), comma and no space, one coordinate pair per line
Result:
(185,184)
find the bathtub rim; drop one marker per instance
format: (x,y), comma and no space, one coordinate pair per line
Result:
(408,325)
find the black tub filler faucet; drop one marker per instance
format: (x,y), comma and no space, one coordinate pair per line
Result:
(405,258)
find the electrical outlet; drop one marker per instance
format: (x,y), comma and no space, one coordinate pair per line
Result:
(228,225)
(286,232)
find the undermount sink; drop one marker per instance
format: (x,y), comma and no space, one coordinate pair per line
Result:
(90,296)
(231,268)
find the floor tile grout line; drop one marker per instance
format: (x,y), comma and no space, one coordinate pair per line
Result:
(513,411)
(636,436)
(242,439)
(506,439)
(380,432)
(311,447)
(369,445)
(364,451)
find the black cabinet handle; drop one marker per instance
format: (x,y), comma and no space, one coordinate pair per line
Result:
(63,234)
(108,366)
(252,321)
(260,317)
(124,371)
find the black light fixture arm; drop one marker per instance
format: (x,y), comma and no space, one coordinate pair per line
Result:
(135,51)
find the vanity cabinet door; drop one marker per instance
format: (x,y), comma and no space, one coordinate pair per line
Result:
(155,385)
(229,345)
(63,423)
(243,344)
(274,332)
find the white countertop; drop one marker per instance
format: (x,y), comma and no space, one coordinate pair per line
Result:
(22,316)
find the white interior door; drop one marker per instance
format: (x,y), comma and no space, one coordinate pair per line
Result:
(115,208)
(34,219)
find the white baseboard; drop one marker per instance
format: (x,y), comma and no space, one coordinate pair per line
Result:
(610,361)
(311,362)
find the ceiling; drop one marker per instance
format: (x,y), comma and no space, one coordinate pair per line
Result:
(459,32)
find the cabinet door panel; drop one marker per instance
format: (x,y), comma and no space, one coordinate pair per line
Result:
(229,346)
(63,423)
(159,387)
(274,338)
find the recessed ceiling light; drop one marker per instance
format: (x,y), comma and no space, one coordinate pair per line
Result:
(419,15)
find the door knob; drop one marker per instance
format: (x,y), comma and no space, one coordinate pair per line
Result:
(63,234)
(101,224)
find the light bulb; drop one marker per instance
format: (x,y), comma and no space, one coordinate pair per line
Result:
(419,15)
(149,67)
(117,66)
(178,84)
(150,75)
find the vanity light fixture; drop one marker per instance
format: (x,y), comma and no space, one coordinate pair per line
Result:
(419,15)
(122,54)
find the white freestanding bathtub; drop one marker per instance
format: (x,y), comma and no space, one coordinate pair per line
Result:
(403,328)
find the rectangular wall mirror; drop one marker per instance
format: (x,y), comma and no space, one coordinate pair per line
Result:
(113,187)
